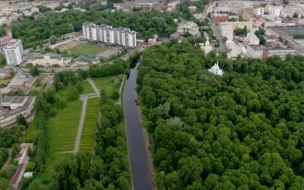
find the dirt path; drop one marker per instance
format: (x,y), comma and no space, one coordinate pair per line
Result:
(8,159)
(84,98)
(120,89)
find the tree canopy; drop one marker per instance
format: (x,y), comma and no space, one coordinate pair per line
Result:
(34,32)
(242,130)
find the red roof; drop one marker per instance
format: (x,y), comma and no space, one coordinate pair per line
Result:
(17,174)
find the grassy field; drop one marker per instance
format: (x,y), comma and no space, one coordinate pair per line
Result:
(88,49)
(2,61)
(107,84)
(89,126)
(87,88)
(5,81)
(63,131)
(31,132)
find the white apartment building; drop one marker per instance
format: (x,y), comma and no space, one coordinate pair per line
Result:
(188,26)
(107,34)
(273,10)
(253,39)
(261,52)
(13,52)
(227,31)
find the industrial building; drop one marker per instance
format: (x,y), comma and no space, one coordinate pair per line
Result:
(262,52)
(13,52)
(110,36)
(12,106)
(295,43)
(49,59)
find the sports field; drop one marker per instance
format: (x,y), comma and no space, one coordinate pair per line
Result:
(88,49)
(89,126)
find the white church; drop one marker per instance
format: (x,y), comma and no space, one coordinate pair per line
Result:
(215,69)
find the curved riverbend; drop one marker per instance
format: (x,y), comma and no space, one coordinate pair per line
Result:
(138,152)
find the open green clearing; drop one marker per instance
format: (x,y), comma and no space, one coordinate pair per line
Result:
(5,81)
(62,130)
(89,126)
(88,49)
(87,88)
(107,84)
(2,61)
(31,132)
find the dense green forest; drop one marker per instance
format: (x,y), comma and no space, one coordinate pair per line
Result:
(242,130)
(9,136)
(3,156)
(33,32)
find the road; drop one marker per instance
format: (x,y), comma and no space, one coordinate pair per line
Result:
(217,34)
(84,98)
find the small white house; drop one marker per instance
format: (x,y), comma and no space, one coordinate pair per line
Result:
(216,70)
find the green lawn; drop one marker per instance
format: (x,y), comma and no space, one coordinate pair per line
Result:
(107,84)
(89,126)
(62,130)
(31,132)
(88,49)
(2,61)
(5,81)
(87,88)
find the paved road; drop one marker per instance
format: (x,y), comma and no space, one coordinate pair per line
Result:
(84,98)
(94,86)
(217,34)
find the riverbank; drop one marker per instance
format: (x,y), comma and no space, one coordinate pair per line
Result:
(148,141)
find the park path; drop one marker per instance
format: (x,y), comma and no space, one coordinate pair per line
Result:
(94,86)
(84,98)
(120,89)
(8,159)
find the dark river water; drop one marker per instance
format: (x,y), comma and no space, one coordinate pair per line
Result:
(138,153)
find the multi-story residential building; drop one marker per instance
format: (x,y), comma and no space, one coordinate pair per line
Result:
(227,31)
(4,40)
(253,39)
(107,34)
(13,52)
(220,18)
(262,52)
(188,26)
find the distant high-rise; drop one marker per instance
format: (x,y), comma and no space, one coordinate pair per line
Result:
(107,34)
(13,52)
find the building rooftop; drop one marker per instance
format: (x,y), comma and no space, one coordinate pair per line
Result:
(287,30)
(7,99)
(18,99)
(14,179)
(19,110)
(12,44)
(261,48)
(253,36)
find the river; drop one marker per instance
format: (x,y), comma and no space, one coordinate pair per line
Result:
(138,152)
